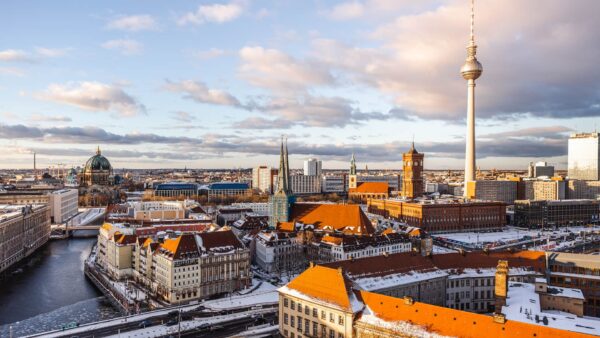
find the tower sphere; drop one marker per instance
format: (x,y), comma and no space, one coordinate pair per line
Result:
(472,69)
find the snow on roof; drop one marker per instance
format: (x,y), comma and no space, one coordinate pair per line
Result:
(523,304)
(388,281)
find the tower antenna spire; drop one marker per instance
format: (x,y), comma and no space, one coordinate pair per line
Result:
(472,22)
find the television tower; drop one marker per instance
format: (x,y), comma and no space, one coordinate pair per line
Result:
(471,71)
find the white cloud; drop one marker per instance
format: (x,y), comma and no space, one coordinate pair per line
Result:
(277,71)
(51,52)
(218,13)
(133,23)
(46,118)
(199,92)
(347,10)
(125,46)
(93,96)
(209,53)
(14,55)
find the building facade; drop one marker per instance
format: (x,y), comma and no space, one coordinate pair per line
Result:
(177,189)
(23,230)
(64,204)
(313,167)
(263,179)
(554,214)
(502,191)
(412,167)
(439,216)
(584,157)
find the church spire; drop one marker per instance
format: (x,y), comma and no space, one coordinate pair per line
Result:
(281,177)
(287,168)
(353,165)
(98,151)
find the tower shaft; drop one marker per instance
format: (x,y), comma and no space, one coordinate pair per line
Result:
(470,139)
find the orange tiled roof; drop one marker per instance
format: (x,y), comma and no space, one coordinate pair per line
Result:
(286,226)
(147,242)
(326,284)
(171,244)
(331,239)
(371,188)
(455,323)
(336,216)
(388,231)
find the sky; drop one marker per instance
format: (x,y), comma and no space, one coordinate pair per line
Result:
(215,84)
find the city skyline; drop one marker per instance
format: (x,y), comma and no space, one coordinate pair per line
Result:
(213,84)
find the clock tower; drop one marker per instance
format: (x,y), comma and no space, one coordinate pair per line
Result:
(412,182)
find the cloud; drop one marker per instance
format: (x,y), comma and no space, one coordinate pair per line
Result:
(277,71)
(133,23)
(125,46)
(183,116)
(45,118)
(219,145)
(14,55)
(217,13)
(199,92)
(209,54)
(93,96)
(52,52)
(262,123)
(347,10)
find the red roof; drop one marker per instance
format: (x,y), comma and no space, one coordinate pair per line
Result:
(336,216)
(371,188)
(454,323)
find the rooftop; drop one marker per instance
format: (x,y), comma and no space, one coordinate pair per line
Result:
(338,217)
(523,304)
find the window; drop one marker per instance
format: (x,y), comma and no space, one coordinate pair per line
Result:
(315,328)
(323,315)
(331,318)
(323,330)
(299,307)
(293,305)
(285,302)
(331,334)
(306,326)
(285,318)
(292,321)
(340,320)
(299,323)
(315,313)
(307,310)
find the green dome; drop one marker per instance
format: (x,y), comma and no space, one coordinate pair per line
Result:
(97,162)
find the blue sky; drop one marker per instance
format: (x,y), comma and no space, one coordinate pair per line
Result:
(212,84)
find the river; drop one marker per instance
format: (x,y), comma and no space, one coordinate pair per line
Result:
(49,289)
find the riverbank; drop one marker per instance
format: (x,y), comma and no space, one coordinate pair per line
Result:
(49,289)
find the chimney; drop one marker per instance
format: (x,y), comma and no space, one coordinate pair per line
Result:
(501,285)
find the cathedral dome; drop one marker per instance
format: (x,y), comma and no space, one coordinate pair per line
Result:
(97,162)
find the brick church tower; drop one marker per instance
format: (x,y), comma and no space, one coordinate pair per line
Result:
(412,182)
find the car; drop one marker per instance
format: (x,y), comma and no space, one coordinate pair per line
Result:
(172,321)
(173,313)
(203,326)
(201,308)
(145,323)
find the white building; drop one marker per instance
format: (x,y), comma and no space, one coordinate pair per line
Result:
(279,252)
(584,157)
(301,184)
(259,208)
(262,179)
(64,204)
(312,167)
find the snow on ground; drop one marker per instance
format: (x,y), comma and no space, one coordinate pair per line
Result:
(441,250)
(265,294)
(129,290)
(511,234)
(87,216)
(523,304)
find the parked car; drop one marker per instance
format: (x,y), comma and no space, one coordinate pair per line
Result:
(172,321)
(145,323)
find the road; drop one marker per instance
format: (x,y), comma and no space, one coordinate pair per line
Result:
(223,329)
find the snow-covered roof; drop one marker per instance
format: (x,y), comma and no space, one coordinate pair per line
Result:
(523,304)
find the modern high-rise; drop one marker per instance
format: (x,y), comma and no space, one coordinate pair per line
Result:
(584,157)
(471,71)
(263,178)
(312,167)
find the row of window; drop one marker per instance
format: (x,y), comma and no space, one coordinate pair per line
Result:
(315,312)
